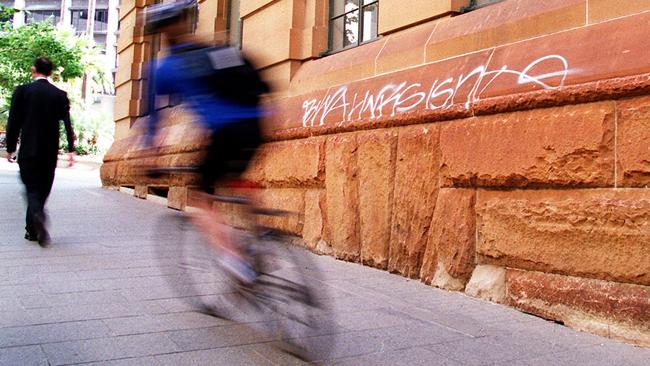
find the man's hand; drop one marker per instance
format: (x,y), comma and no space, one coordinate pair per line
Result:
(71,161)
(11,157)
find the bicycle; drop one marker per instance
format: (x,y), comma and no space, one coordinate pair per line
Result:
(282,299)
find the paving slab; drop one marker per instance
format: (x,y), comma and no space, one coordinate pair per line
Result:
(100,295)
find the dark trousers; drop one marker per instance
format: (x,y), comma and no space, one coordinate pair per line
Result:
(37,175)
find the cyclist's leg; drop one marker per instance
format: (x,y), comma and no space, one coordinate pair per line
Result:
(229,154)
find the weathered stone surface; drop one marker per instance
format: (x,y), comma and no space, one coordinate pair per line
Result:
(503,23)
(571,146)
(141,191)
(416,190)
(340,68)
(611,309)
(342,197)
(633,142)
(177,198)
(376,163)
(603,234)
(293,163)
(601,10)
(404,49)
(550,63)
(312,231)
(288,199)
(108,174)
(451,244)
(443,279)
(488,283)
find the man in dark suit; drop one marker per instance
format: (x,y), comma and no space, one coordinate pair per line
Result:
(37,108)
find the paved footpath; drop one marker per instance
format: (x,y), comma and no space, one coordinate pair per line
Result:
(98,296)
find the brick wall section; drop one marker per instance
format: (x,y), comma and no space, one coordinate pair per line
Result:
(505,153)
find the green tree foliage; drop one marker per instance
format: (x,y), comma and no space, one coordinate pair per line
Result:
(73,57)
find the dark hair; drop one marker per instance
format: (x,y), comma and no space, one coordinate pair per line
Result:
(43,66)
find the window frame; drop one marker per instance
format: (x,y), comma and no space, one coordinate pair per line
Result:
(333,17)
(29,15)
(99,27)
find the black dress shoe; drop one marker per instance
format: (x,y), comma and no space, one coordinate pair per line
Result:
(43,238)
(31,237)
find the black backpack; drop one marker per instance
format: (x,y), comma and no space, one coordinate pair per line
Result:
(225,72)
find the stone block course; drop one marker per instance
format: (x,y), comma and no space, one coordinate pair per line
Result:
(376,164)
(451,244)
(603,10)
(404,49)
(312,232)
(292,163)
(611,309)
(633,142)
(565,146)
(507,22)
(414,197)
(342,196)
(600,233)
(287,199)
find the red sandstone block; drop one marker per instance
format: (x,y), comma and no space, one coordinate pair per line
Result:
(451,244)
(414,198)
(602,10)
(342,196)
(404,49)
(288,199)
(604,51)
(295,162)
(633,142)
(502,23)
(611,309)
(376,163)
(567,146)
(597,233)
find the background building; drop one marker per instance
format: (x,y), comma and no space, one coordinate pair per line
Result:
(495,148)
(75,13)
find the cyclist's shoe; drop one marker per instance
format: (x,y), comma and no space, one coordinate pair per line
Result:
(238,268)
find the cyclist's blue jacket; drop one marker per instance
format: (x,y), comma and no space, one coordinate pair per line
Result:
(170,77)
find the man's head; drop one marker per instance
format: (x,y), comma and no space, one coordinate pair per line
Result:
(173,19)
(42,67)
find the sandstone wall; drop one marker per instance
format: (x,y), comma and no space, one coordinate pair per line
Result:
(504,153)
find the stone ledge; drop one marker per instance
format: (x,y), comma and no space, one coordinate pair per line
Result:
(595,233)
(610,309)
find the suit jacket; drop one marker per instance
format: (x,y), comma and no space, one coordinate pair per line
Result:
(35,114)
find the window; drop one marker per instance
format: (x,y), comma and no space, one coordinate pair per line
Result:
(32,16)
(352,22)
(80,20)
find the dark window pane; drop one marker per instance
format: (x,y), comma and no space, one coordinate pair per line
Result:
(42,15)
(369,23)
(343,6)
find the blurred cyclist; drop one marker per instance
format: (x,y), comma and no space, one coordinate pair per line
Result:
(223,90)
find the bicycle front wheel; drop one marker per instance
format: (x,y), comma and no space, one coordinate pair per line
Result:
(190,266)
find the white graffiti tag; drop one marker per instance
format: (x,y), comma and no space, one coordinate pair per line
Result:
(343,105)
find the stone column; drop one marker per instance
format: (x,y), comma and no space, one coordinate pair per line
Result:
(111,33)
(66,17)
(19,16)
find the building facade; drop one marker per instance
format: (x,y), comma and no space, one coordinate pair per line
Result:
(498,148)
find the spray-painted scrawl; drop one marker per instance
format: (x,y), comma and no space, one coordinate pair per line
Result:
(345,104)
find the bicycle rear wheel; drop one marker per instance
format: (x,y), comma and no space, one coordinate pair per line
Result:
(286,291)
